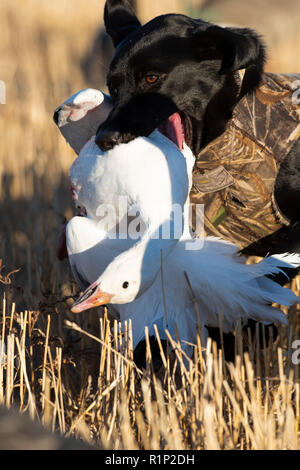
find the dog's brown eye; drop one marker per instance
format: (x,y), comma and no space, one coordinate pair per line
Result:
(151,78)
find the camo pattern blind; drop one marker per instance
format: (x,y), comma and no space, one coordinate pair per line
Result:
(234,175)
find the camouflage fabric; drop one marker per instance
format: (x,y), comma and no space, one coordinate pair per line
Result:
(234,175)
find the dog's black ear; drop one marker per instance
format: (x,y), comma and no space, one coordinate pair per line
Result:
(119,19)
(239,48)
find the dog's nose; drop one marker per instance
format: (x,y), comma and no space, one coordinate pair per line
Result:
(107,139)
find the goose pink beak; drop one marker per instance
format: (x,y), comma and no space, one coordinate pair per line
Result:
(92,297)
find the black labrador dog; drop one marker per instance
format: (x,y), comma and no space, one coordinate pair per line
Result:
(183,70)
(178,74)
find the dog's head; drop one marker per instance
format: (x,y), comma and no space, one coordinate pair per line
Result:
(175,73)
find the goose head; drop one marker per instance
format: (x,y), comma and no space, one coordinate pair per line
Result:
(127,277)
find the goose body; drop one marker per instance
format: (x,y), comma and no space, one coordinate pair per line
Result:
(221,281)
(146,178)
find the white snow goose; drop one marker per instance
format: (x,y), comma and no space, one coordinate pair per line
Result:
(125,271)
(131,281)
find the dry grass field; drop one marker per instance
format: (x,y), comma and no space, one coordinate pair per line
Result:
(74,374)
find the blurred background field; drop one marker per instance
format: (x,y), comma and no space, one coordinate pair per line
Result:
(48,51)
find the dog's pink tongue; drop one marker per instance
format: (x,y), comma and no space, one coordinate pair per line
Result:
(174,130)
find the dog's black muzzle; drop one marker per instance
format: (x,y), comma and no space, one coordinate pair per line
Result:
(135,117)
(106,139)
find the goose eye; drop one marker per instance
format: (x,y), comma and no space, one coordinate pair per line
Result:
(151,78)
(125,285)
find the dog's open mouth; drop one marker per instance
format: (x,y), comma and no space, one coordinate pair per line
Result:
(177,129)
